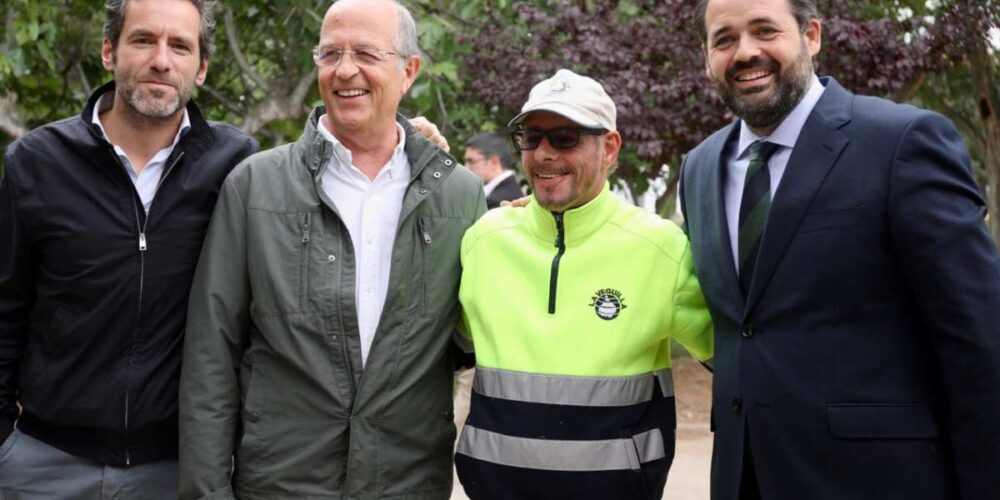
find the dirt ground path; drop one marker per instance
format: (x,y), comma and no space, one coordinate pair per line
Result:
(688,478)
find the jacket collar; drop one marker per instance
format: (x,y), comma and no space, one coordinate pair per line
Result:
(194,143)
(578,223)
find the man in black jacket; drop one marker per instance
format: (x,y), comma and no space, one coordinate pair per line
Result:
(488,155)
(101,222)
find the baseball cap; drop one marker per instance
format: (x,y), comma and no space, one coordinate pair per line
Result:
(575,97)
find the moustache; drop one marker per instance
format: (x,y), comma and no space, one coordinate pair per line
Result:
(754,63)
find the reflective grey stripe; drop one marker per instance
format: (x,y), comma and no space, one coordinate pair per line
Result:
(666,378)
(559,455)
(568,389)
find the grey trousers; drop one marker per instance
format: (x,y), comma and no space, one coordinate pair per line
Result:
(33,470)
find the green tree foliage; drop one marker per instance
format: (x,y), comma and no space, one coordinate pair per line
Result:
(482,56)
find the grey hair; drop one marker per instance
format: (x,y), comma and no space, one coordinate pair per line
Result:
(114,21)
(406,39)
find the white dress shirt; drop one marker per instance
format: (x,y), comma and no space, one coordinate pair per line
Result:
(738,162)
(370,210)
(148,179)
(490,186)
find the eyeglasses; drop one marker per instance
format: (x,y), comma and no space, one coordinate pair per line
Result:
(525,139)
(326,57)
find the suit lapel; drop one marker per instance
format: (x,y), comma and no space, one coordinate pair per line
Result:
(816,151)
(718,271)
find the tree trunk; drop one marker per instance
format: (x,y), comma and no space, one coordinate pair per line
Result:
(989,104)
(666,204)
(10,120)
(991,164)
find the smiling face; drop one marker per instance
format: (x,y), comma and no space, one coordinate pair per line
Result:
(759,58)
(157,62)
(562,179)
(363,99)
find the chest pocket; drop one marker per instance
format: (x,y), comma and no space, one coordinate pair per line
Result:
(284,260)
(438,245)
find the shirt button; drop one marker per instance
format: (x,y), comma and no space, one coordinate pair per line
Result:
(747,332)
(253,416)
(447,162)
(437,175)
(331,258)
(737,404)
(423,191)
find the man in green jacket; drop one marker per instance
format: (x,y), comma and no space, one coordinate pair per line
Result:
(573,395)
(316,358)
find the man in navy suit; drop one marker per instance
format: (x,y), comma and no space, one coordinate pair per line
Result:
(853,285)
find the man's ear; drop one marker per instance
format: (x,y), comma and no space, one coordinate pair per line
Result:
(410,72)
(704,55)
(813,35)
(202,72)
(495,164)
(612,145)
(108,55)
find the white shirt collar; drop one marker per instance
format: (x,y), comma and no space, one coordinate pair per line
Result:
(106,101)
(342,157)
(787,132)
(490,186)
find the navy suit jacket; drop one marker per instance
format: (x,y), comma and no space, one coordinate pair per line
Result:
(864,362)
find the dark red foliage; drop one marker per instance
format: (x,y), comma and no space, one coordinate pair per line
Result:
(650,61)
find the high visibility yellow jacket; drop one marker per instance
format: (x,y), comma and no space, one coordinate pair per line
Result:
(571,315)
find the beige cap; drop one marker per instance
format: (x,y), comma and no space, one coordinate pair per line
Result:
(575,97)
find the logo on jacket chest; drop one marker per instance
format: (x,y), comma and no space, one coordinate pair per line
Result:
(608,303)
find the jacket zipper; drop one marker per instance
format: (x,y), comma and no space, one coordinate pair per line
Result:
(304,262)
(142,275)
(554,276)
(424,233)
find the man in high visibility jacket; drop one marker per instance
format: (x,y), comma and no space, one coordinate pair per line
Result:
(573,395)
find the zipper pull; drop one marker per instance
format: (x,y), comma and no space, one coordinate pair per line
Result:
(142,242)
(305,229)
(423,231)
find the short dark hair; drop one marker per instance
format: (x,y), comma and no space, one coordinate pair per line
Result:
(490,145)
(803,11)
(114,20)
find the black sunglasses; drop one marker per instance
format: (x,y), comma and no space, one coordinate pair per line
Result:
(525,139)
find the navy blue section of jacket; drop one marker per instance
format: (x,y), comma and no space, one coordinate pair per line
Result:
(486,480)
(91,327)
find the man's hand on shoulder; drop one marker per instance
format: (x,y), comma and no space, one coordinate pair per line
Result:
(430,131)
(518,203)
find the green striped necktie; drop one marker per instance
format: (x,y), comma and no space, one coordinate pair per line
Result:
(754,206)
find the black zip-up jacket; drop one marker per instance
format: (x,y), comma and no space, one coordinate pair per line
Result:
(93,293)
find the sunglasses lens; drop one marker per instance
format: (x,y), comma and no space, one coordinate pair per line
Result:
(564,138)
(527,139)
